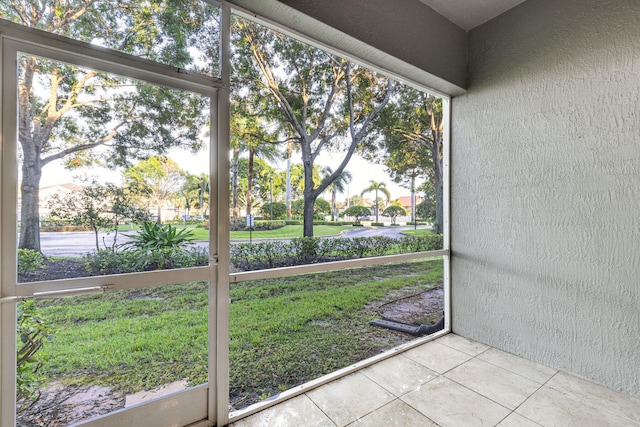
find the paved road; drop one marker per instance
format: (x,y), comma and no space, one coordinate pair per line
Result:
(78,243)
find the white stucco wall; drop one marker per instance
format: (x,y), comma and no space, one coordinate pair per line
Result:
(546,188)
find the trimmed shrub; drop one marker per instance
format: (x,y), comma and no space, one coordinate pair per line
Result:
(429,242)
(108,261)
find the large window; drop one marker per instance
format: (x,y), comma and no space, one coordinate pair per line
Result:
(336,198)
(106,260)
(202,216)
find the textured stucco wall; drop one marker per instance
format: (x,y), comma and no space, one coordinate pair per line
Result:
(404,37)
(546,188)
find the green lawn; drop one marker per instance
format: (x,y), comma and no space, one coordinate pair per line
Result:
(290,231)
(286,232)
(283,332)
(418,232)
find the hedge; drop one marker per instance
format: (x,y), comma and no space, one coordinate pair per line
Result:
(308,250)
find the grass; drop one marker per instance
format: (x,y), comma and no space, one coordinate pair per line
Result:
(418,231)
(286,232)
(283,332)
(290,231)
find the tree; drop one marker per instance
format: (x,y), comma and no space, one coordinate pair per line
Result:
(279,210)
(338,185)
(81,116)
(411,143)
(249,132)
(321,207)
(156,180)
(260,188)
(354,201)
(393,212)
(357,212)
(326,102)
(99,207)
(426,210)
(377,186)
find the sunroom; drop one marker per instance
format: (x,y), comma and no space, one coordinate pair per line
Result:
(537,261)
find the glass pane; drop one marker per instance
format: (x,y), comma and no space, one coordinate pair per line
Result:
(185,34)
(113,173)
(288,331)
(313,157)
(105,352)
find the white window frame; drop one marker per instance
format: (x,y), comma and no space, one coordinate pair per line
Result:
(347,264)
(196,401)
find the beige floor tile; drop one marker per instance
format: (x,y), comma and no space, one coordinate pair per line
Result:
(462,344)
(518,365)
(399,374)
(437,357)
(499,385)
(350,398)
(515,420)
(296,412)
(394,414)
(450,404)
(598,396)
(550,408)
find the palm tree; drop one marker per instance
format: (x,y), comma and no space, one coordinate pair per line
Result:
(337,186)
(377,186)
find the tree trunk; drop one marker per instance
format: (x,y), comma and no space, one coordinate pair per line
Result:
(376,205)
(437,166)
(309,199)
(29,211)
(333,206)
(413,199)
(288,194)
(234,185)
(249,182)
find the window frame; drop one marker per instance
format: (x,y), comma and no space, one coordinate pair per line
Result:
(343,265)
(15,39)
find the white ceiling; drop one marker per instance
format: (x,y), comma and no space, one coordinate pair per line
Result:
(468,14)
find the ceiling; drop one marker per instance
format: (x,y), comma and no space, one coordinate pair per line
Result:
(468,14)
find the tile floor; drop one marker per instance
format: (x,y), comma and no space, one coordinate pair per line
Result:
(453,381)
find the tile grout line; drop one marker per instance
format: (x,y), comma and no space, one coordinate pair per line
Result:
(531,395)
(320,409)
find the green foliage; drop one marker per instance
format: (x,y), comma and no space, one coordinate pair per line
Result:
(278,209)
(427,242)
(307,250)
(258,225)
(321,207)
(154,236)
(426,210)
(393,212)
(98,207)
(32,332)
(357,212)
(29,260)
(108,261)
